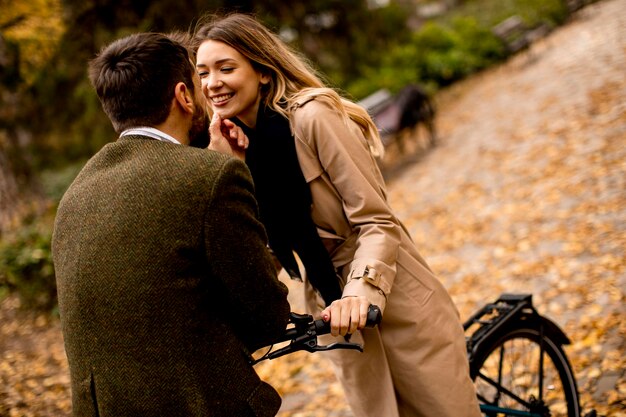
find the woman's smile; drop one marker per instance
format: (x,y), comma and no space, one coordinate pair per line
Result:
(221,99)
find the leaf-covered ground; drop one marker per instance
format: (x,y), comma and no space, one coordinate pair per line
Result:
(525,193)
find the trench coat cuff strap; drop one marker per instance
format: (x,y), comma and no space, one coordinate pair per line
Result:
(371,275)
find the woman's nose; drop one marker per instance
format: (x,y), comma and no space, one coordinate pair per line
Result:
(214,82)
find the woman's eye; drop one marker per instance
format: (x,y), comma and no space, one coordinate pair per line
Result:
(227,69)
(203,74)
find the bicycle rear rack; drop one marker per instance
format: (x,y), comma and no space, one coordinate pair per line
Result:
(493,316)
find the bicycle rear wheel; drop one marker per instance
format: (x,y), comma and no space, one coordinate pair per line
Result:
(512,373)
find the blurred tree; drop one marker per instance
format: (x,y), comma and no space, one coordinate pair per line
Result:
(28,33)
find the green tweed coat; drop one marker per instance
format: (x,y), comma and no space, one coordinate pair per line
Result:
(165,284)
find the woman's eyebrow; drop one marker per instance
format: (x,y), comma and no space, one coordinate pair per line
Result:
(219,61)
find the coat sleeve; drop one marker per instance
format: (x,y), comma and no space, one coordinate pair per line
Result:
(239,258)
(344,155)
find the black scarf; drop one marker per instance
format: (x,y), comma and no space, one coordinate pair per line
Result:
(285,202)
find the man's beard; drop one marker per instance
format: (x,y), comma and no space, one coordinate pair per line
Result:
(199,131)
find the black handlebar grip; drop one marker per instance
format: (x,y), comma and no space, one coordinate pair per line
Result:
(374,316)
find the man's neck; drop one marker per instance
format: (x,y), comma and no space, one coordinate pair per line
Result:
(175,130)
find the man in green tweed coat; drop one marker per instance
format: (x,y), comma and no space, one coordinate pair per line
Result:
(164,278)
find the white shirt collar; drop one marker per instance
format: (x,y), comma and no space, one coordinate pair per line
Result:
(150,132)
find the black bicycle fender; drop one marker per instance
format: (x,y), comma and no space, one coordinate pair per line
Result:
(553,330)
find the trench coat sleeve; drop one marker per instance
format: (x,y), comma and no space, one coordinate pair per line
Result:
(344,156)
(236,245)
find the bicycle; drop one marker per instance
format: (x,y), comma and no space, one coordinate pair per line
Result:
(516,357)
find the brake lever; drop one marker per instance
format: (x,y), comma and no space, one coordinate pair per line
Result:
(310,346)
(339,345)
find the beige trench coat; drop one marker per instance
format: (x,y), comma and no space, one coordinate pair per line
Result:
(417,355)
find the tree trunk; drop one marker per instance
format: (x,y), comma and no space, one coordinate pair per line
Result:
(19,194)
(10,201)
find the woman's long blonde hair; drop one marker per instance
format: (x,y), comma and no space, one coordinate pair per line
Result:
(292,77)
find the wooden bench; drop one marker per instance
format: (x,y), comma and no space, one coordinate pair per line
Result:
(517,35)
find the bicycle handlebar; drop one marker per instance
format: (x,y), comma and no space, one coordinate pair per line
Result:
(303,335)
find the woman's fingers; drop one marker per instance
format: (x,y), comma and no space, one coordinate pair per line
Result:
(227,137)
(347,315)
(215,128)
(363,309)
(239,137)
(235,134)
(218,142)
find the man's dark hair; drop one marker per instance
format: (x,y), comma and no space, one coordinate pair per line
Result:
(135,77)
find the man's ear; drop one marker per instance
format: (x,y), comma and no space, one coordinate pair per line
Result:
(183,97)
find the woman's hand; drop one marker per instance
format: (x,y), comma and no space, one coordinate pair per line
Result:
(227,137)
(346,315)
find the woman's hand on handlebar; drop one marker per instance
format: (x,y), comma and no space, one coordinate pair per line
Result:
(346,315)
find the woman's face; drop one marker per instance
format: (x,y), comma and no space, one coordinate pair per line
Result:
(230,83)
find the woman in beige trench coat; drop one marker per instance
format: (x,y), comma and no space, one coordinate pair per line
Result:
(312,158)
